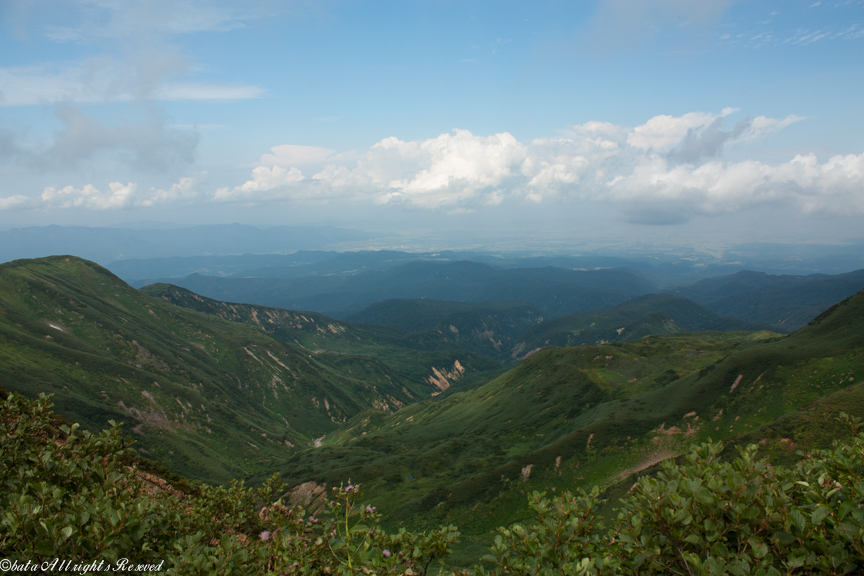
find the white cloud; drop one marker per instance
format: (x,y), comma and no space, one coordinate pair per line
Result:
(263,179)
(453,167)
(13,202)
(183,190)
(118,195)
(762,126)
(833,187)
(668,164)
(663,133)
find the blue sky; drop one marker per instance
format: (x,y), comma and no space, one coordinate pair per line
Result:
(640,118)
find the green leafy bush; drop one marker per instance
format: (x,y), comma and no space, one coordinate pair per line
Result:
(80,497)
(705,517)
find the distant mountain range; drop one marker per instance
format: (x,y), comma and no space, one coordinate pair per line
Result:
(634,319)
(785,303)
(341,285)
(555,291)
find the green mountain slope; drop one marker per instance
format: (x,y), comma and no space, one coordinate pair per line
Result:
(783,302)
(425,363)
(488,328)
(580,416)
(209,398)
(634,319)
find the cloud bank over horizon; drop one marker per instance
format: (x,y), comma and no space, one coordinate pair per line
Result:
(661,172)
(670,164)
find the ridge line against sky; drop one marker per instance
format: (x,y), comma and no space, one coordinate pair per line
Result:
(615,114)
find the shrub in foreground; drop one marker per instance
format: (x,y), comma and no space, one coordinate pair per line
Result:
(705,517)
(79,496)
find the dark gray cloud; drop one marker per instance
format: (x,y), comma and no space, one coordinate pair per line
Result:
(707,142)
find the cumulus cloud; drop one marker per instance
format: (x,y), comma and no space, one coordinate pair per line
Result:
(118,195)
(832,187)
(14,202)
(451,167)
(662,172)
(184,190)
(663,133)
(263,179)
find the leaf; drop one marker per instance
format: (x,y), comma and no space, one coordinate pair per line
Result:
(44,547)
(799,520)
(845,508)
(785,538)
(760,549)
(704,496)
(820,514)
(715,565)
(66,533)
(750,512)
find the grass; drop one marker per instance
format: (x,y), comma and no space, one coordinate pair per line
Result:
(591,415)
(209,398)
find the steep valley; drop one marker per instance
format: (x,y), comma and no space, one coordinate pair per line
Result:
(209,398)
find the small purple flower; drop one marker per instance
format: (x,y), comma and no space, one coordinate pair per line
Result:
(370,510)
(265,535)
(386,553)
(313,520)
(349,488)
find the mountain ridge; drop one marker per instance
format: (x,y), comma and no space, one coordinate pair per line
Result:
(640,316)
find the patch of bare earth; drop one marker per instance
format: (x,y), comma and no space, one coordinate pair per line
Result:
(650,460)
(310,495)
(441,378)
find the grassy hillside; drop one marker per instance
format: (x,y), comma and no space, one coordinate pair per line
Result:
(488,328)
(570,417)
(783,302)
(634,319)
(209,398)
(425,363)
